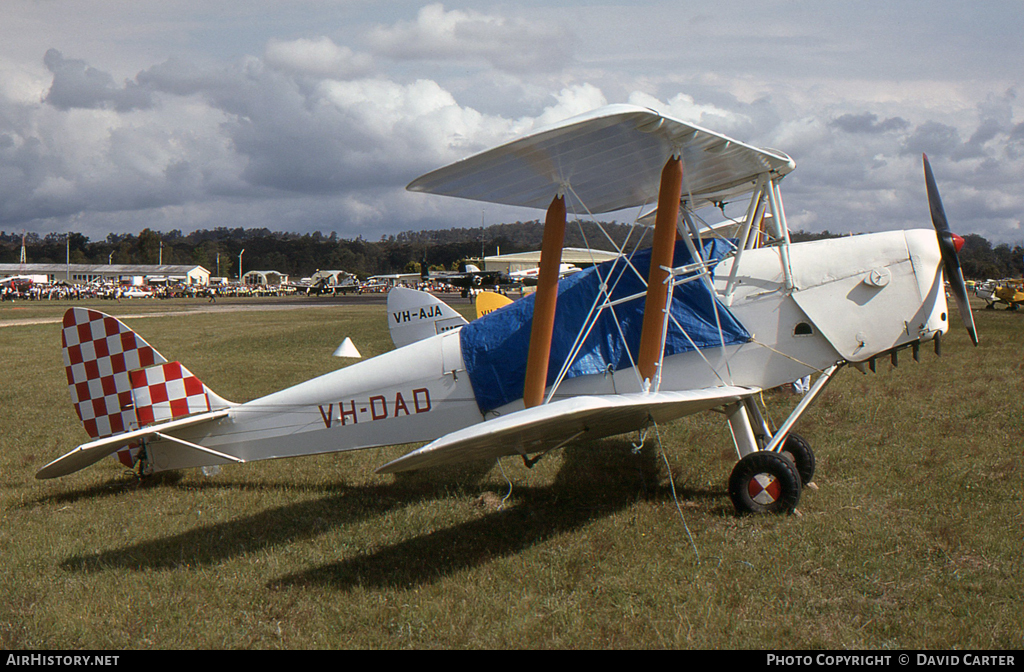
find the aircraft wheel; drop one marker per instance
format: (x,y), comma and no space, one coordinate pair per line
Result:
(797,449)
(765,482)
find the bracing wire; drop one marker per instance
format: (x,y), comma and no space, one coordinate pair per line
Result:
(607,285)
(602,300)
(787,356)
(675,497)
(507,480)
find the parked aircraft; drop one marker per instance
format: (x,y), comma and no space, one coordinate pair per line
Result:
(414,314)
(686,323)
(530,275)
(1009,292)
(469,278)
(332,282)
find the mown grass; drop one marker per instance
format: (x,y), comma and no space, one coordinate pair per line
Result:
(912,541)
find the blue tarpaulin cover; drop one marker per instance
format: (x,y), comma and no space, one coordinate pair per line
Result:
(495,347)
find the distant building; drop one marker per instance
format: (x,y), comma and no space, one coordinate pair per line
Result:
(133,274)
(264,278)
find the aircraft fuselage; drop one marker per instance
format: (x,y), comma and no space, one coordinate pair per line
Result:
(848,299)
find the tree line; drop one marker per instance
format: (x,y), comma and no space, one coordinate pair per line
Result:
(979,260)
(301,255)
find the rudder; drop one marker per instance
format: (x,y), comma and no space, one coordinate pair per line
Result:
(119,382)
(100,352)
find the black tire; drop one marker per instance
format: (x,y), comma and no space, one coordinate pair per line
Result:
(765,482)
(797,449)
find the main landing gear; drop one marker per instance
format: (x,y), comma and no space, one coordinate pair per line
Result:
(771,482)
(765,482)
(774,467)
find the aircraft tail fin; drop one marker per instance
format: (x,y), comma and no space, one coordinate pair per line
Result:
(414,315)
(488,302)
(119,382)
(169,391)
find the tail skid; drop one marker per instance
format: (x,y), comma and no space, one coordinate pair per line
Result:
(119,385)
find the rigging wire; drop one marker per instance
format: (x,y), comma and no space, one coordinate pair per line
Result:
(507,480)
(672,483)
(602,300)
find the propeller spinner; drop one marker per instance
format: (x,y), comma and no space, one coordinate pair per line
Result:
(949,244)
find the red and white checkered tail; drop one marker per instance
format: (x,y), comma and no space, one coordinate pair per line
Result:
(167,391)
(118,382)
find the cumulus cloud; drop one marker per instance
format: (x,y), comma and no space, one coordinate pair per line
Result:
(867,122)
(514,45)
(249,129)
(77,85)
(933,138)
(312,132)
(319,57)
(569,102)
(686,108)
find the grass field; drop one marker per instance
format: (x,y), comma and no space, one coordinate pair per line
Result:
(914,539)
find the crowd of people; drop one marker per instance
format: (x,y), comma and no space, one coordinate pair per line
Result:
(27,290)
(34,291)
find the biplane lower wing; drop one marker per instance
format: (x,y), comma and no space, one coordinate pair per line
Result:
(94,451)
(545,427)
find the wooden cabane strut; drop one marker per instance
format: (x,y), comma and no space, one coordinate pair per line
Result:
(545,302)
(652,338)
(655,303)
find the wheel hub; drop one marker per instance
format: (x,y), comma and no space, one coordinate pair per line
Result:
(764,489)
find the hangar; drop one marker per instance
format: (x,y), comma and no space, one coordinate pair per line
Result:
(263,278)
(135,274)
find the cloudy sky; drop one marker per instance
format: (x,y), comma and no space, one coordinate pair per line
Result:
(303,115)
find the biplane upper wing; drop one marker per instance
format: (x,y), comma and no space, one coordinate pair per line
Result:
(548,426)
(608,159)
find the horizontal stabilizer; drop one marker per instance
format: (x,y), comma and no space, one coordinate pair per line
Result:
(548,426)
(94,451)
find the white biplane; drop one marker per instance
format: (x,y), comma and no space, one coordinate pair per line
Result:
(694,318)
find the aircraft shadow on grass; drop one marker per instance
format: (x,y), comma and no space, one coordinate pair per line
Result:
(585,489)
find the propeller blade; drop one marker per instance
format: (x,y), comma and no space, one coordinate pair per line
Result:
(949,244)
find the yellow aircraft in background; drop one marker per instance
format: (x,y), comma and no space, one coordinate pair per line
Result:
(1010,292)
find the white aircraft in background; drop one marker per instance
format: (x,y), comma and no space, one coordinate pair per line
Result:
(683,322)
(530,275)
(414,314)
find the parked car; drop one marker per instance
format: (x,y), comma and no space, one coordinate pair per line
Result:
(137,293)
